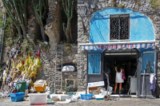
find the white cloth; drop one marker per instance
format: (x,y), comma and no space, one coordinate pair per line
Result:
(68,68)
(152,76)
(119,77)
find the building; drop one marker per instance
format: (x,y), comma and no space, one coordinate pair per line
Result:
(118,33)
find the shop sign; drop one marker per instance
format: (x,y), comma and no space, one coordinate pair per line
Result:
(96,84)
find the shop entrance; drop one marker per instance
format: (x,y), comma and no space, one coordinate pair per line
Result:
(120,58)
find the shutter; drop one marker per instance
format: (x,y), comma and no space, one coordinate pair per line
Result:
(94,63)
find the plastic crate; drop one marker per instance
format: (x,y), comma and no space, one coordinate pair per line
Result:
(38,98)
(16,97)
(86,96)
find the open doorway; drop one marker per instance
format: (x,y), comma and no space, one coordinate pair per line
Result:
(120,58)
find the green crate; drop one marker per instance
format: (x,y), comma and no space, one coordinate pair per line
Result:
(21,86)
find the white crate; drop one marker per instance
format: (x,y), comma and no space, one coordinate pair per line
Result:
(38,98)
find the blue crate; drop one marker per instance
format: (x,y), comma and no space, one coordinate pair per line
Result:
(16,97)
(86,96)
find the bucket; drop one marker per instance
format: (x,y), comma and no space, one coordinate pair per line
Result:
(86,96)
(16,97)
(21,86)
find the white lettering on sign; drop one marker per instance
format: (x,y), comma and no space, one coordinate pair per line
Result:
(95,84)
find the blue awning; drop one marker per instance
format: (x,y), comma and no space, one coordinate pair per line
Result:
(117,46)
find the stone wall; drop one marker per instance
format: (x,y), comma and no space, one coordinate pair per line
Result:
(52,59)
(86,8)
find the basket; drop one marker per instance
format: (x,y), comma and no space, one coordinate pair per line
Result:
(40,88)
(86,96)
(16,97)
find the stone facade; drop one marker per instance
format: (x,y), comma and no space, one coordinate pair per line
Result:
(86,8)
(52,59)
(73,54)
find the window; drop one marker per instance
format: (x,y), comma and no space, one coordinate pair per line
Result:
(94,63)
(119,27)
(70,83)
(148,62)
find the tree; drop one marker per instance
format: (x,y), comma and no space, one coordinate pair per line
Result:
(17,11)
(40,7)
(68,6)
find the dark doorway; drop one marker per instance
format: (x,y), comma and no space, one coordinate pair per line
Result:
(120,58)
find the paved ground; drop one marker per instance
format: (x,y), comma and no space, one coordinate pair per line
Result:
(113,102)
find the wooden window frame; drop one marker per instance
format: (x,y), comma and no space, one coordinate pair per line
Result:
(118,29)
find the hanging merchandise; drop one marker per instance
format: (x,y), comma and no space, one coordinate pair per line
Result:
(153,82)
(123,75)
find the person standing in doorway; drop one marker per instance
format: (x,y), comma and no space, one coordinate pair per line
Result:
(106,75)
(119,80)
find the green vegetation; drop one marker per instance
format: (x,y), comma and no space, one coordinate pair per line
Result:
(17,11)
(40,8)
(1,23)
(30,16)
(1,20)
(155,4)
(121,5)
(68,6)
(9,34)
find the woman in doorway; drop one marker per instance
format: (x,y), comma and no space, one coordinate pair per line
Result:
(119,79)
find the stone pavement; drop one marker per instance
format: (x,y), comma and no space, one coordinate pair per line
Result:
(113,102)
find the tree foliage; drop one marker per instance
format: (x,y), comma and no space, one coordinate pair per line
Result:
(155,4)
(68,6)
(40,7)
(17,11)
(25,12)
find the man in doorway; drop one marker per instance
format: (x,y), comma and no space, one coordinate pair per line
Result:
(106,75)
